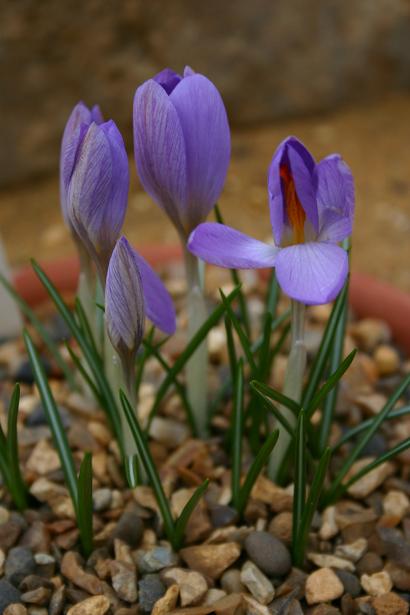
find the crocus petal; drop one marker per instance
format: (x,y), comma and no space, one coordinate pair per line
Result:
(124,299)
(335,198)
(97,194)
(160,150)
(224,246)
(207,141)
(168,79)
(312,273)
(159,306)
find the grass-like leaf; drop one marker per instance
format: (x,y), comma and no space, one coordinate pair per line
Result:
(274,410)
(186,513)
(255,469)
(43,333)
(242,335)
(188,352)
(150,469)
(267,391)
(85,326)
(300,534)
(54,420)
(368,434)
(85,504)
(319,364)
(237,434)
(142,359)
(299,495)
(330,384)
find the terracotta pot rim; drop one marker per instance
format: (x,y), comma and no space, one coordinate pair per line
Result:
(369,296)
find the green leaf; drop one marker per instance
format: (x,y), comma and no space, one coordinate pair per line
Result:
(85,326)
(85,504)
(272,294)
(275,412)
(299,495)
(86,376)
(299,538)
(15,482)
(43,333)
(188,352)
(243,338)
(186,513)
(369,433)
(150,469)
(54,419)
(264,352)
(264,389)
(255,469)
(237,433)
(330,384)
(358,429)
(319,363)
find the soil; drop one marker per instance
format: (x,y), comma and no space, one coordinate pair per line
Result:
(373,139)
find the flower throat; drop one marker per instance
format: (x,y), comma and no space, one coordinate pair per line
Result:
(294,210)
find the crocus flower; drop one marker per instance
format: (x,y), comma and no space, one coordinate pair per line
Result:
(132,291)
(311,210)
(95,182)
(182,145)
(80,119)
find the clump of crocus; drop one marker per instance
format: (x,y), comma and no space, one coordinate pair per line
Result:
(132,292)
(182,152)
(311,210)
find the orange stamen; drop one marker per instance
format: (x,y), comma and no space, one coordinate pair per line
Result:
(295,212)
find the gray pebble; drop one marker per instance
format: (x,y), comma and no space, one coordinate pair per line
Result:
(221,516)
(268,553)
(102,499)
(156,559)
(350,582)
(129,529)
(150,589)
(19,564)
(8,594)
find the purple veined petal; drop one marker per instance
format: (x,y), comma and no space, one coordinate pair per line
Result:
(168,79)
(188,71)
(312,273)
(96,115)
(160,150)
(207,141)
(159,306)
(97,195)
(224,246)
(335,198)
(276,196)
(124,300)
(302,167)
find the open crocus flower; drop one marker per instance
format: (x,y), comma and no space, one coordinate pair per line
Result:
(182,145)
(311,210)
(97,180)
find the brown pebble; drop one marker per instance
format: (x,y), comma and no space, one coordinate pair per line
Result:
(387,359)
(323,586)
(281,526)
(390,604)
(211,560)
(15,609)
(371,562)
(96,605)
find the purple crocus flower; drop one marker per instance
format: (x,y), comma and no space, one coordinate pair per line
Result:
(311,210)
(95,182)
(182,145)
(133,288)
(80,119)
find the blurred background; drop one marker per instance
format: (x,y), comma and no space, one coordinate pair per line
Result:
(336,73)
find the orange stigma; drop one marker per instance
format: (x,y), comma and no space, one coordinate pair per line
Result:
(295,212)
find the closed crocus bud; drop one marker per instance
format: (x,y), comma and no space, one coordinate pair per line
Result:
(124,303)
(182,145)
(77,124)
(97,190)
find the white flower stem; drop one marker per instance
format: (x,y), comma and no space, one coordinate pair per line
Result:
(197,366)
(292,386)
(86,290)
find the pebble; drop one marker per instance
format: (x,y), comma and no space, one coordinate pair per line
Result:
(281,526)
(24,372)
(390,604)
(150,589)
(268,553)
(39,596)
(156,559)
(57,601)
(43,459)
(213,595)
(96,605)
(73,571)
(396,547)
(352,550)
(124,580)
(396,503)
(169,432)
(371,562)
(38,417)
(10,531)
(323,585)
(231,581)
(253,607)
(371,481)
(168,601)
(129,529)
(329,527)
(257,583)
(387,359)
(8,594)
(222,515)
(102,499)
(15,609)
(376,584)
(350,582)
(19,564)
(327,560)
(399,575)
(192,585)
(211,560)
(369,332)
